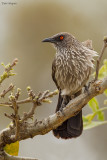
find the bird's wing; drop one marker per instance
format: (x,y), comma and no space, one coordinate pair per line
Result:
(53,73)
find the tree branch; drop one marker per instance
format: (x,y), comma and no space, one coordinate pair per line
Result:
(8,70)
(4,92)
(99,58)
(29,130)
(39,98)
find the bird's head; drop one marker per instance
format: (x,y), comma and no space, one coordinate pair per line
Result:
(61,40)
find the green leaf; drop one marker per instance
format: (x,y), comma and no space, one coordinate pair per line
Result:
(93,104)
(93,124)
(105,92)
(84,119)
(12,148)
(90,117)
(101,116)
(105,102)
(103,70)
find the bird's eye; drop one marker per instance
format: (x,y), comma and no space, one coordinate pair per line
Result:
(61,38)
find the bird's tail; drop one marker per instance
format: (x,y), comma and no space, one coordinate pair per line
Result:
(72,127)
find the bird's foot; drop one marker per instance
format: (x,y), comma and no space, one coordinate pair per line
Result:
(86,90)
(72,96)
(61,109)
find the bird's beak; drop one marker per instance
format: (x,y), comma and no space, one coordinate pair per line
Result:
(51,40)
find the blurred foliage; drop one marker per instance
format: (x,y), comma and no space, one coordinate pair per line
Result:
(105,92)
(12,148)
(93,124)
(94,105)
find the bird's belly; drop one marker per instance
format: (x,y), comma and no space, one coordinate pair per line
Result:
(71,82)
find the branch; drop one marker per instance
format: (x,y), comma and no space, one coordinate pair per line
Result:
(37,98)
(4,92)
(29,130)
(15,116)
(8,70)
(99,58)
(29,114)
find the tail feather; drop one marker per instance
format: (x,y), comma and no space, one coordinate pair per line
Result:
(73,126)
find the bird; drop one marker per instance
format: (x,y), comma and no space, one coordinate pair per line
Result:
(71,69)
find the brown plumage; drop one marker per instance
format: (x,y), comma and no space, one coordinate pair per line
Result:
(70,72)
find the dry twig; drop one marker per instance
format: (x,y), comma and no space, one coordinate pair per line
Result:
(8,70)
(28,130)
(10,67)
(99,58)
(4,92)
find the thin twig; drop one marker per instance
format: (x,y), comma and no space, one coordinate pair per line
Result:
(17,94)
(4,92)
(9,116)
(15,106)
(12,99)
(30,113)
(24,101)
(99,58)
(42,97)
(8,70)
(29,100)
(11,65)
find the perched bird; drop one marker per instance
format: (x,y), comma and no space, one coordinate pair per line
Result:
(71,68)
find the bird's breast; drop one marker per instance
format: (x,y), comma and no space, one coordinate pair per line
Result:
(71,72)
